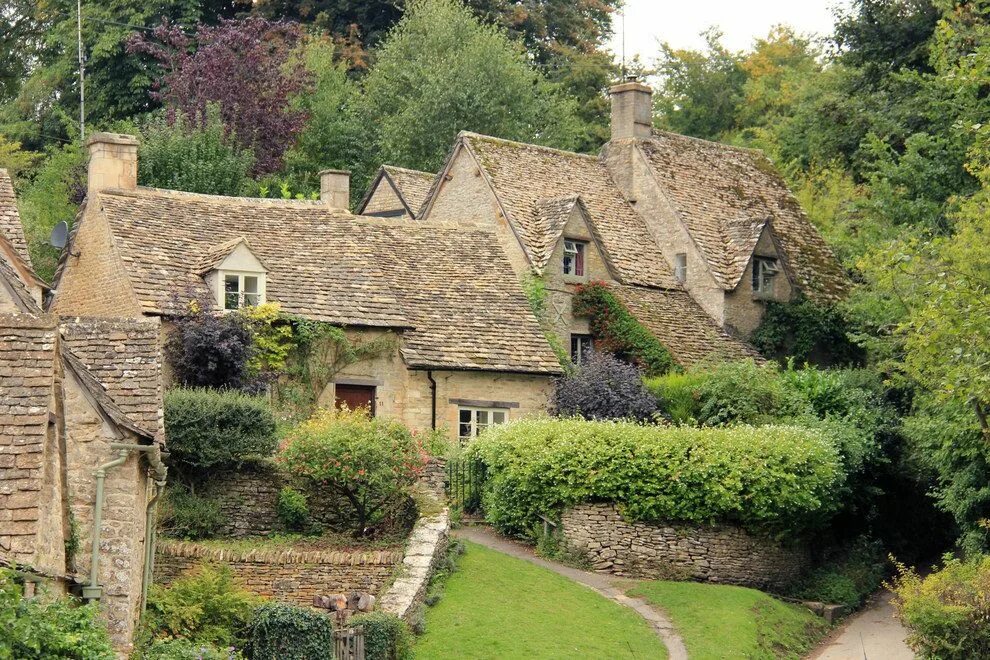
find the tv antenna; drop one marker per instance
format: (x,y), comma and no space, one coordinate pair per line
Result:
(623,28)
(82,73)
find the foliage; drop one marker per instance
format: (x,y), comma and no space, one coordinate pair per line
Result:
(206,349)
(441,71)
(603,387)
(617,331)
(806,332)
(195,156)
(722,621)
(386,636)
(773,478)
(490,586)
(371,462)
(186,515)
(245,66)
(846,579)
(182,649)
(292,509)
(535,289)
(207,429)
(947,611)
(286,632)
(205,607)
(272,339)
(47,627)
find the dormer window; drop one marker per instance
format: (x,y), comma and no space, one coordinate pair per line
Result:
(242,290)
(574,257)
(680,267)
(764,271)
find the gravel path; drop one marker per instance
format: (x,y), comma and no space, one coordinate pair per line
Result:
(606,585)
(872,634)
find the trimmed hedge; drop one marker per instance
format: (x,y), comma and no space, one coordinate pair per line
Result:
(386,636)
(208,428)
(287,632)
(777,479)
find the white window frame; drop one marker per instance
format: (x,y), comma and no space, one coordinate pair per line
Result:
(681,267)
(765,269)
(574,248)
(241,275)
(474,427)
(579,357)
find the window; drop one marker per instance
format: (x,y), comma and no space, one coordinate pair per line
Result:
(764,270)
(472,421)
(680,266)
(241,290)
(574,257)
(581,346)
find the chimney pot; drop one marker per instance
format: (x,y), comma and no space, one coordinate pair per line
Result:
(335,188)
(113,161)
(632,110)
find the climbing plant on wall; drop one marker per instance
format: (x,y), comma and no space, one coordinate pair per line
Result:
(535,289)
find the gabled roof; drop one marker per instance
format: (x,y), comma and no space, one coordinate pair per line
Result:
(10,220)
(411,186)
(551,216)
(525,176)
(682,326)
(725,196)
(12,282)
(215,256)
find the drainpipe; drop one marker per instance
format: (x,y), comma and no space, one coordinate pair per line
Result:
(94,591)
(433,397)
(149,542)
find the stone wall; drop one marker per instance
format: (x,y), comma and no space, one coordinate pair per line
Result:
(719,553)
(286,575)
(424,553)
(434,477)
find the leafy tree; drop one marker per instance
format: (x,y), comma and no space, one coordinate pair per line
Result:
(604,387)
(195,157)
(206,349)
(246,68)
(441,71)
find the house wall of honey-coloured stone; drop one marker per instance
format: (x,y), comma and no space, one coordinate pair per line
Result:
(384,199)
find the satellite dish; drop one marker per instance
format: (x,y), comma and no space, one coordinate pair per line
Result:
(60,235)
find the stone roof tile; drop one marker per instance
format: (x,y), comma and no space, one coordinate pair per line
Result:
(10,220)
(412,185)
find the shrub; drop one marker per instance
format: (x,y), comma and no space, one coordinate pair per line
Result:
(947,612)
(604,387)
(189,516)
(207,429)
(205,607)
(806,332)
(292,509)
(206,349)
(182,649)
(46,627)
(386,636)
(847,579)
(286,632)
(371,462)
(774,478)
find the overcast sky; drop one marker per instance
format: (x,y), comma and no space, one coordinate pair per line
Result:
(679,23)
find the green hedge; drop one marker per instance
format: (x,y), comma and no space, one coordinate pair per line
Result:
(776,479)
(386,636)
(209,428)
(287,632)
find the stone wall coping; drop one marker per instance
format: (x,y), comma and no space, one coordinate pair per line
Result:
(426,547)
(193,550)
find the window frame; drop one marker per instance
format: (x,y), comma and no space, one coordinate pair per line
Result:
(242,277)
(578,256)
(577,340)
(765,270)
(474,424)
(681,267)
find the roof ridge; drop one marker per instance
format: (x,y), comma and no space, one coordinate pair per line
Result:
(145,191)
(408,169)
(24,320)
(723,145)
(529,145)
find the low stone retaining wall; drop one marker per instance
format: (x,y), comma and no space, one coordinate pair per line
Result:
(719,553)
(426,549)
(286,575)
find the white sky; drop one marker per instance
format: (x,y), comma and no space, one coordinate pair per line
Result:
(648,22)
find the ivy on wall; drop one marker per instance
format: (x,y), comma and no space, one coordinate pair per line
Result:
(617,331)
(536,293)
(807,333)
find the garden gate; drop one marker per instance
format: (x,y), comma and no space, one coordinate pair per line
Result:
(465,477)
(348,644)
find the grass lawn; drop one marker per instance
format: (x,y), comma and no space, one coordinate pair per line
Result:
(720,621)
(496,606)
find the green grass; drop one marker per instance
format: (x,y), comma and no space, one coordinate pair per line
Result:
(719,621)
(496,606)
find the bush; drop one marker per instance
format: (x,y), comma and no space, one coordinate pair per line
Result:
(207,429)
(947,612)
(292,509)
(386,636)
(205,607)
(45,627)
(848,579)
(604,388)
(371,462)
(286,632)
(206,349)
(182,649)
(185,515)
(806,332)
(775,478)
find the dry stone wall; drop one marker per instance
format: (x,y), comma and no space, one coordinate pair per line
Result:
(718,553)
(425,551)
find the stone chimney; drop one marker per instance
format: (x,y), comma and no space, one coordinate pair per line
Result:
(632,110)
(112,161)
(335,188)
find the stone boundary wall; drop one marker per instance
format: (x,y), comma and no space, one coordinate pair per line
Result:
(434,476)
(717,553)
(425,551)
(285,575)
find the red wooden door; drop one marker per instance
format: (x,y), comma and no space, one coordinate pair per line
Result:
(354,397)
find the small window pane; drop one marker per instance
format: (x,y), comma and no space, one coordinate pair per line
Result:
(482,417)
(250,284)
(250,299)
(498,417)
(579,260)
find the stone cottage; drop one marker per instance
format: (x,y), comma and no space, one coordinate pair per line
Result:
(80,442)
(396,192)
(469,352)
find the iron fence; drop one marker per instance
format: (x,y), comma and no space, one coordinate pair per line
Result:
(465,478)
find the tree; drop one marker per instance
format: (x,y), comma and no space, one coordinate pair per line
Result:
(441,71)
(246,68)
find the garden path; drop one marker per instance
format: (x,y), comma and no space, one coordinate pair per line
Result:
(875,633)
(611,588)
